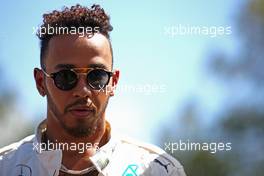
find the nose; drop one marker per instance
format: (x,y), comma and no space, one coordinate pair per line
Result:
(82,90)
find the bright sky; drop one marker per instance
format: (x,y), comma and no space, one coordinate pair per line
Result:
(143,52)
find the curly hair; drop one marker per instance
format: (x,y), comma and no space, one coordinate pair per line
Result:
(78,17)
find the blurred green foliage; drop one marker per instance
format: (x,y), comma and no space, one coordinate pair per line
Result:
(13,123)
(241,119)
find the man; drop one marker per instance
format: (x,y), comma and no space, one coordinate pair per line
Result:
(77,77)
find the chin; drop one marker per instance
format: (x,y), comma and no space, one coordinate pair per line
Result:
(82,127)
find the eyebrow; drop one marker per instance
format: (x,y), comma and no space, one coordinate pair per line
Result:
(69,66)
(98,66)
(64,66)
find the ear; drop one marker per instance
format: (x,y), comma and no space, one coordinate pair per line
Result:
(39,80)
(115,79)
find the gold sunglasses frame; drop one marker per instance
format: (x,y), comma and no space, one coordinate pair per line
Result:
(78,72)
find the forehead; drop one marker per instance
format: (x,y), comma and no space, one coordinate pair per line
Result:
(78,51)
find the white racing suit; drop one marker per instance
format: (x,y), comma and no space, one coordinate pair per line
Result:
(119,157)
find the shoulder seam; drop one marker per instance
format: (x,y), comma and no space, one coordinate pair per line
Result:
(155,150)
(14,146)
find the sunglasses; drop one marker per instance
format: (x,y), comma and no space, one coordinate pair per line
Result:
(67,79)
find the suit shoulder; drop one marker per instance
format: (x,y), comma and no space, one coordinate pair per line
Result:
(159,159)
(11,148)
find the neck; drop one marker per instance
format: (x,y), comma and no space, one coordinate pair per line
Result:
(78,150)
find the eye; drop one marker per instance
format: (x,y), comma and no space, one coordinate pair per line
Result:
(65,79)
(98,79)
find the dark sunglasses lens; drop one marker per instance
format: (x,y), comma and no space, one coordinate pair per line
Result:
(98,79)
(65,79)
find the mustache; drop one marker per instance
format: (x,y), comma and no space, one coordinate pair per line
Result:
(80,102)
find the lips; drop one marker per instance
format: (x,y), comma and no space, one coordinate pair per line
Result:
(81,111)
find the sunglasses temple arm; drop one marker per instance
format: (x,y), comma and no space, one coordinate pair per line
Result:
(45,73)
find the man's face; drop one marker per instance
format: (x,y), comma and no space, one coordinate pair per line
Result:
(80,110)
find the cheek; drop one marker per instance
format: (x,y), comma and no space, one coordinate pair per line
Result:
(100,100)
(58,97)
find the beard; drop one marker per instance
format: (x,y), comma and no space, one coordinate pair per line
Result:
(82,128)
